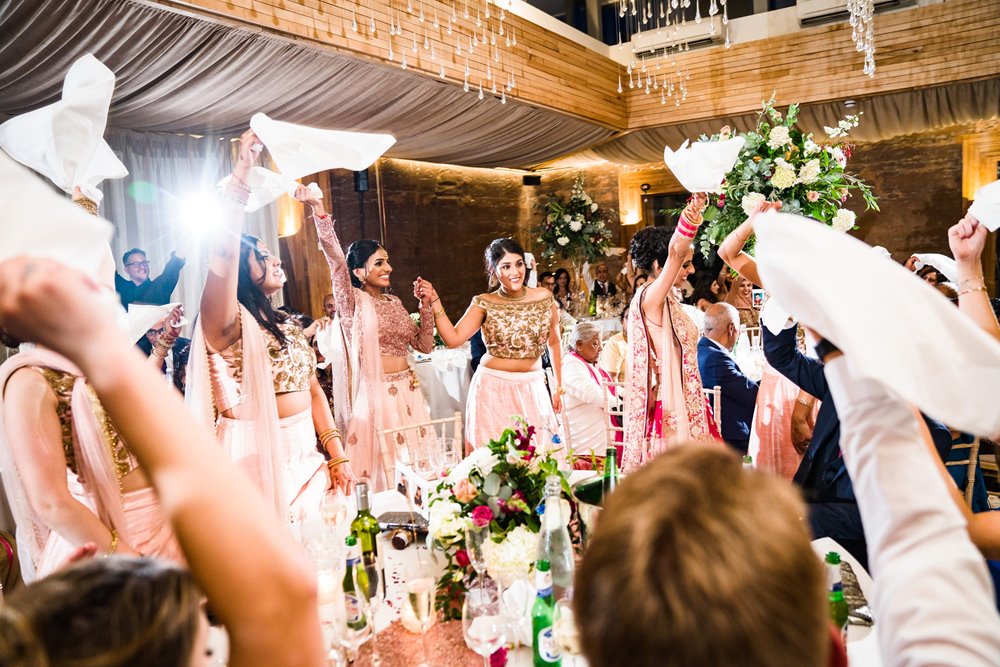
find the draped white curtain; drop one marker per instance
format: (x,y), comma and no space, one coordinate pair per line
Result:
(165,203)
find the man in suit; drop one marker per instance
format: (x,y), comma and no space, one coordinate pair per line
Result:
(603,286)
(822,475)
(718,368)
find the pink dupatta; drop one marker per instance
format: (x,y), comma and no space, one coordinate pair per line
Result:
(97,472)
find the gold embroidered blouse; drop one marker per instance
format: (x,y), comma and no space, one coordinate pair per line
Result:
(291,367)
(515,329)
(62,386)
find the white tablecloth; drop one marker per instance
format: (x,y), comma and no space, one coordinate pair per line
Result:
(444,378)
(862,643)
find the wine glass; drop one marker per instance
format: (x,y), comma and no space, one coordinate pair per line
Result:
(375,596)
(566,631)
(475,541)
(419,588)
(483,622)
(423,463)
(447,454)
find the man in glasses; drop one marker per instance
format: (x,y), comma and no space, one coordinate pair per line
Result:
(138,288)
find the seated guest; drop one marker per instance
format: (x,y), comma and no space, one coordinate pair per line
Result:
(138,288)
(706,292)
(718,369)
(123,610)
(711,555)
(585,416)
(548,281)
(614,354)
(600,284)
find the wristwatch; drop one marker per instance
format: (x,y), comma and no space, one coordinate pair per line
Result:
(825,348)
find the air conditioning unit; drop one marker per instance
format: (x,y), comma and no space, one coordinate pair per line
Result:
(818,12)
(690,34)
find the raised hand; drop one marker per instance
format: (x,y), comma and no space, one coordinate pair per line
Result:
(307,196)
(424,291)
(250,148)
(967,239)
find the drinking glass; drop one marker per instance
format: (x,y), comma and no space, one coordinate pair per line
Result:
(423,464)
(566,631)
(475,541)
(447,455)
(403,454)
(419,588)
(376,595)
(483,622)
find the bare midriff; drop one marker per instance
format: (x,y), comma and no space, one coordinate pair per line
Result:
(289,403)
(510,365)
(392,364)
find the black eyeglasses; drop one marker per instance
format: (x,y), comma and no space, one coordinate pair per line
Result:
(142,263)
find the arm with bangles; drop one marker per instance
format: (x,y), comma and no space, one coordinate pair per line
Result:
(680,243)
(268,603)
(166,339)
(330,438)
(340,277)
(731,249)
(453,335)
(967,240)
(36,442)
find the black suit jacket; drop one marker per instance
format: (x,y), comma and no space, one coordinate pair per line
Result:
(739,393)
(609,290)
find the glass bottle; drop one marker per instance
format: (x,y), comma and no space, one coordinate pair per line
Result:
(835,593)
(554,545)
(544,647)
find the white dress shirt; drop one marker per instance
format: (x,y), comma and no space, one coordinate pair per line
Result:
(584,405)
(933,600)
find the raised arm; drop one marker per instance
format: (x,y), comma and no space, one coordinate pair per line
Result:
(967,240)
(731,250)
(268,602)
(219,307)
(343,291)
(453,335)
(423,340)
(680,244)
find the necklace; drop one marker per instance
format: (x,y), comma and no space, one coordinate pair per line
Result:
(503,294)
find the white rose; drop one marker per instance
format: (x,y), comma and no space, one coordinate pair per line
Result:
(562,240)
(750,201)
(810,147)
(566,217)
(809,171)
(445,522)
(779,137)
(576,225)
(593,206)
(844,220)
(512,559)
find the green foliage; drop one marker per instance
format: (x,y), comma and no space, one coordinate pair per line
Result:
(576,229)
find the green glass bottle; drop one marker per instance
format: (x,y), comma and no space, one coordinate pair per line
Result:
(355,578)
(593,304)
(544,647)
(835,593)
(747,461)
(610,479)
(366,529)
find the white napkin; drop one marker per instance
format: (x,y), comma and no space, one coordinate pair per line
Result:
(942,263)
(701,166)
(517,603)
(266,186)
(529,261)
(904,334)
(64,141)
(986,207)
(299,150)
(143,317)
(879,250)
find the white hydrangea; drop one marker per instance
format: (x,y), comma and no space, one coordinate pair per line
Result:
(511,560)
(562,240)
(778,137)
(576,225)
(844,220)
(481,459)
(810,147)
(445,522)
(783,176)
(750,201)
(809,172)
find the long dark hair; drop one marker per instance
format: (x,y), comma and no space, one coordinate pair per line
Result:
(569,282)
(495,252)
(252,297)
(357,256)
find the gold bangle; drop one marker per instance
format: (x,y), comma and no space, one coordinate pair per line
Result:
(89,205)
(805,403)
(114,543)
(981,288)
(560,390)
(333,463)
(438,314)
(328,433)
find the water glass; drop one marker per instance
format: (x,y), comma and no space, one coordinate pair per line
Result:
(423,464)
(483,622)
(475,541)
(420,590)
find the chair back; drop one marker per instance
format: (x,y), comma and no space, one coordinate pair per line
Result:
(402,442)
(754,336)
(714,398)
(614,406)
(969,463)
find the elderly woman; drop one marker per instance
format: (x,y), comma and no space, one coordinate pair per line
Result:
(585,395)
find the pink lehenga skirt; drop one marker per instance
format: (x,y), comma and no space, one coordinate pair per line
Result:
(771,434)
(497,397)
(304,478)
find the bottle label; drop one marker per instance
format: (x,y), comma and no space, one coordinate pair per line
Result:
(548,647)
(354,612)
(353,560)
(543,583)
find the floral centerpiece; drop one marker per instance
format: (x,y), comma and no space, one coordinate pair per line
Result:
(779,162)
(577,229)
(500,486)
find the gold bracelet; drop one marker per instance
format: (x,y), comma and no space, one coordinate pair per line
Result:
(439,314)
(981,288)
(89,205)
(114,543)
(328,433)
(805,403)
(972,279)
(560,390)
(333,463)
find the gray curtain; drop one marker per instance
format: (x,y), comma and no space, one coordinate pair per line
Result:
(177,73)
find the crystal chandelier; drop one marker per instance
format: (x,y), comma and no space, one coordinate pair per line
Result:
(863,31)
(659,68)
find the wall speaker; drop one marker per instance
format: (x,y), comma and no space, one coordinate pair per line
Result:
(531,179)
(361,181)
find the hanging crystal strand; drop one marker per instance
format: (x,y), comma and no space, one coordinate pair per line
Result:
(480,90)
(728,42)
(427,42)
(513,36)
(466,10)
(500,31)
(391,54)
(493,37)
(449,26)
(494,87)
(414,42)
(631,83)
(441,72)
(473,42)
(496,56)
(409,6)
(454,11)
(619,81)
(402,62)
(725,13)
(420,17)
(711,27)
(433,53)
(437,24)
(697,11)
(354,20)
(503,96)
(489,72)
(486,15)
(458,46)
(372,28)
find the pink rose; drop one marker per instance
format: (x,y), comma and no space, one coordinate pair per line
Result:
(812,195)
(465,491)
(462,558)
(481,516)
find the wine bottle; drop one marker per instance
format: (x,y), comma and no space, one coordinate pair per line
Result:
(610,481)
(544,647)
(835,593)
(554,545)
(355,585)
(366,529)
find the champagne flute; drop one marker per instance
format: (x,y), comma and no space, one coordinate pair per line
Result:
(483,622)
(475,540)
(419,588)
(448,453)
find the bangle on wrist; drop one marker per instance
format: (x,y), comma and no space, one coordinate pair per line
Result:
(333,463)
(808,404)
(113,546)
(981,288)
(439,314)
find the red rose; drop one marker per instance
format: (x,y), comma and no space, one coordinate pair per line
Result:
(462,558)
(499,657)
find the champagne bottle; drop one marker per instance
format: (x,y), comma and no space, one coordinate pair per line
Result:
(835,593)
(355,585)
(366,529)
(593,304)
(544,647)
(610,481)
(554,545)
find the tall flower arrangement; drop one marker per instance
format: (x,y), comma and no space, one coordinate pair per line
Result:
(779,162)
(499,486)
(576,229)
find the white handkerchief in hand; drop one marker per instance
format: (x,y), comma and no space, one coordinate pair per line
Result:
(143,317)
(299,150)
(267,186)
(64,141)
(905,334)
(529,261)
(942,263)
(701,166)
(986,207)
